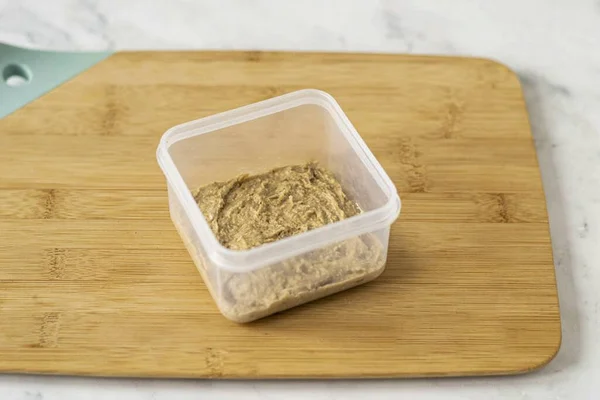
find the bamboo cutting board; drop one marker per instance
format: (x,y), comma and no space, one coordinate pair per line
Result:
(94,279)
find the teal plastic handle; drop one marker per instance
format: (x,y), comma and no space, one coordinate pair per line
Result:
(28,74)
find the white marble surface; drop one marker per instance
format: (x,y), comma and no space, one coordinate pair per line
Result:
(555,47)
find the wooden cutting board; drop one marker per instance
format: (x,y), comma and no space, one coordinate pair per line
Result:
(94,279)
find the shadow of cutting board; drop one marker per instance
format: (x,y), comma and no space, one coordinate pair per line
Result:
(94,279)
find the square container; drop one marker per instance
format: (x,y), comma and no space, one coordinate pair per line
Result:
(307,125)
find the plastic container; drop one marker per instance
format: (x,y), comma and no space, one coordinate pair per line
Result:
(290,129)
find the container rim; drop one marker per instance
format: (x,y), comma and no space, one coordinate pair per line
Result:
(270,253)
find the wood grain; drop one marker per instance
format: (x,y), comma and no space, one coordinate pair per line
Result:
(94,279)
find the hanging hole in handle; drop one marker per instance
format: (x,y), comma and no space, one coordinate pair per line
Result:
(16,75)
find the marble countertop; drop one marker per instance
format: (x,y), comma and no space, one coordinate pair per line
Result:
(553,45)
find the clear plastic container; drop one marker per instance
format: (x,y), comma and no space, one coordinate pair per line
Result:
(291,129)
